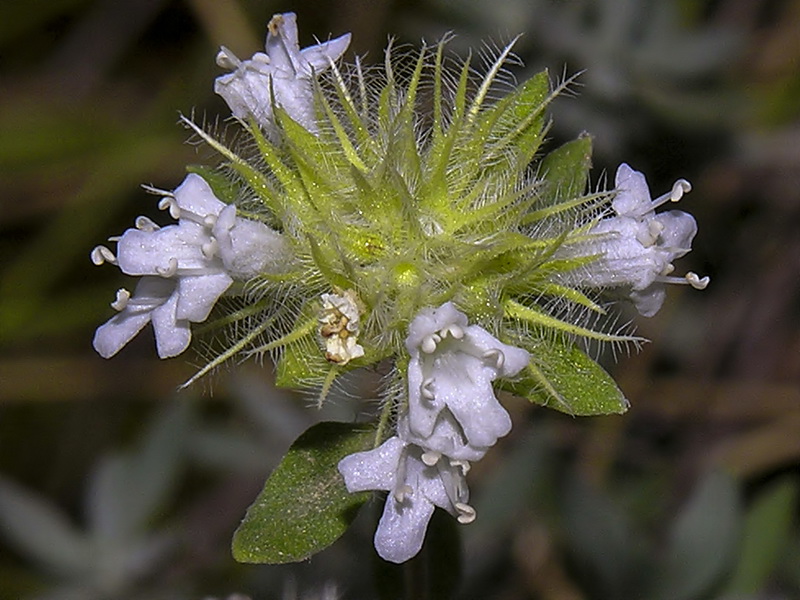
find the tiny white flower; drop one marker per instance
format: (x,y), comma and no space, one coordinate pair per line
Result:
(453,365)
(284,73)
(185,268)
(636,246)
(416,484)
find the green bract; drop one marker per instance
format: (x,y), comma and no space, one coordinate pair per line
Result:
(424,183)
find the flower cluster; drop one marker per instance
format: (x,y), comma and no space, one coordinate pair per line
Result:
(405,216)
(185,268)
(283,76)
(452,419)
(636,246)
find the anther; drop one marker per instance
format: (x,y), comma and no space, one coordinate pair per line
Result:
(401,492)
(227,59)
(169,270)
(146,224)
(454,330)
(101,254)
(169,203)
(121,302)
(460,464)
(495,356)
(431,457)
(466,514)
(697,282)
(210,248)
(679,188)
(209,221)
(425,389)
(429,343)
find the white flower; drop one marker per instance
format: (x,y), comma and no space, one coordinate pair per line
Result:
(185,268)
(636,247)
(339,325)
(452,366)
(284,73)
(415,487)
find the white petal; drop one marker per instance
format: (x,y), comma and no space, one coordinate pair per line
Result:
(649,300)
(402,527)
(120,329)
(145,252)
(195,195)
(248,248)
(247,92)
(373,469)
(320,56)
(633,193)
(679,231)
(172,336)
(197,295)
(447,438)
(464,385)
(282,46)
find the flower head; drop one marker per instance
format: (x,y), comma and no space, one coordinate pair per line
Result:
(416,484)
(636,247)
(453,365)
(185,268)
(284,73)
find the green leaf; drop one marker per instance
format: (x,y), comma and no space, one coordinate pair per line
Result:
(300,362)
(767,532)
(561,376)
(566,170)
(304,506)
(702,542)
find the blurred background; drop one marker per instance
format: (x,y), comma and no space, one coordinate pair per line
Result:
(115,486)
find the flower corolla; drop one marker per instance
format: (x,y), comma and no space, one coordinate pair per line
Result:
(636,247)
(185,268)
(284,74)
(416,485)
(452,366)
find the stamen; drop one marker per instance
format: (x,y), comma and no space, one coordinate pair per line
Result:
(121,302)
(655,227)
(496,356)
(454,330)
(460,464)
(209,221)
(679,188)
(101,254)
(169,203)
(210,249)
(402,492)
(227,59)
(692,279)
(146,224)
(431,457)
(429,342)
(668,269)
(466,514)
(425,389)
(170,270)
(697,282)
